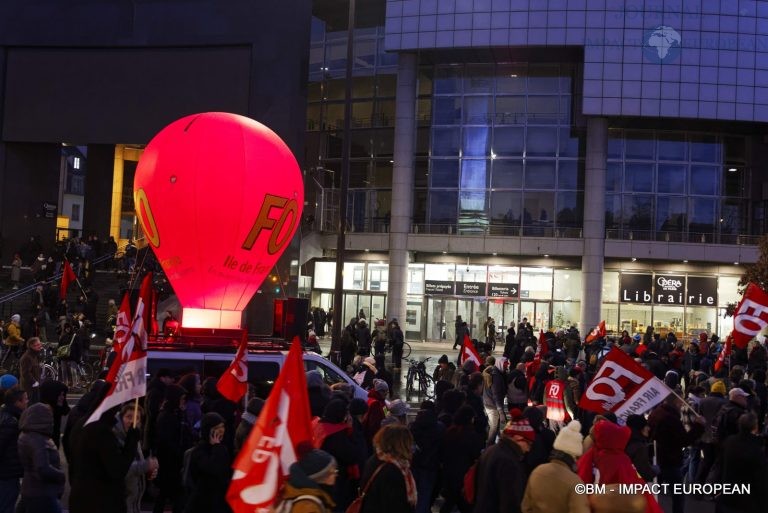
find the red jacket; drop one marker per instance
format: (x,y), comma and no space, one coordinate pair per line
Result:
(374,416)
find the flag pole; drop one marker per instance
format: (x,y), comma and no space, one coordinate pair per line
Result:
(685,403)
(77,280)
(135,412)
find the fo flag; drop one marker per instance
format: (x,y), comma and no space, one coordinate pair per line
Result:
(262,464)
(121,336)
(598,332)
(624,387)
(469,352)
(725,352)
(66,278)
(233,384)
(129,368)
(751,316)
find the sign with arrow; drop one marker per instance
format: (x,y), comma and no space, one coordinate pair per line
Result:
(504,290)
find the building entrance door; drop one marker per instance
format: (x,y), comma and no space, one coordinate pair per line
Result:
(537,312)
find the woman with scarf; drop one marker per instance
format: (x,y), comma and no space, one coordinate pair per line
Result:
(387,479)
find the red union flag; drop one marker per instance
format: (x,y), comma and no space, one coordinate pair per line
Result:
(624,387)
(469,352)
(262,464)
(725,352)
(598,332)
(751,316)
(67,277)
(121,336)
(233,384)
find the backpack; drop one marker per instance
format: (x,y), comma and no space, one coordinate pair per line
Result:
(470,482)
(286,505)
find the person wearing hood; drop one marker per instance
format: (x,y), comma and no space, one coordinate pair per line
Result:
(333,434)
(428,439)
(15,401)
(461,378)
(504,459)
(637,447)
(77,417)
(43,483)
(209,468)
(141,468)
(552,486)
(54,394)
(376,410)
(494,392)
(247,421)
(172,437)
(606,458)
(99,482)
(319,393)
(309,481)
(465,447)
(213,401)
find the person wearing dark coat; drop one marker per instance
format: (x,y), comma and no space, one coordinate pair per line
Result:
(43,483)
(98,484)
(333,434)
(543,441)
(152,403)
(209,467)
(393,489)
(637,447)
(364,339)
(465,447)
(247,421)
(213,401)
(319,393)
(475,401)
(172,436)
(15,401)
(77,416)
(54,394)
(745,463)
(428,439)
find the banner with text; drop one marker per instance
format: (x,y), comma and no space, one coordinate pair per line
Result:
(751,315)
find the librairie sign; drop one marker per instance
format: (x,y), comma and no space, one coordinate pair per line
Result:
(666,289)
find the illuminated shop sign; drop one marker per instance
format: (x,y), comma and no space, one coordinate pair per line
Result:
(470,288)
(503,290)
(444,288)
(666,289)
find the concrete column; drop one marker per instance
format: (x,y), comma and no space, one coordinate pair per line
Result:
(594,224)
(402,187)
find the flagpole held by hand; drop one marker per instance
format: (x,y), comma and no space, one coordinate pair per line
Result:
(135,412)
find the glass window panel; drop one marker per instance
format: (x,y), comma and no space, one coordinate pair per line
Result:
(543,109)
(733,217)
(448,80)
(443,207)
(415,278)
(447,110)
(506,208)
(424,112)
(733,181)
(540,174)
(445,173)
(611,317)
(613,178)
(445,142)
(705,148)
(363,87)
(735,149)
(473,205)
(507,174)
(477,141)
(634,318)
(334,115)
(638,177)
(386,85)
(511,79)
(384,143)
(569,209)
(334,89)
(510,110)
(354,276)
(541,142)
(700,319)
(610,286)
(479,79)
(538,208)
(313,116)
(566,106)
(537,282)
(336,55)
(421,173)
(671,178)
(325,275)
(668,318)
(385,113)
(571,146)
(704,180)
(638,212)
(314,92)
(639,145)
(502,274)
(358,173)
(702,215)
(474,174)
(382,174)
(378,277)
(383,57)
(724,323)
(361,114)
(361,143)
(365,53)
(615,144)
(508,141)
(543,79)
(728,290)
(570,174)
(472,273)
(565,314)
(425,80)
(670,213)
(440,272)
(567,284)
(672,148)
(422,141)
(478,110)
(613,211)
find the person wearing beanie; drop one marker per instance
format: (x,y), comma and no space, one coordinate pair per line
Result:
(445,370)
(504,459)
(552,486)
(319,393)
(8,381)
(637,447)
(382,372)
(309,483)
(209,469)
(247,421)
(398,413)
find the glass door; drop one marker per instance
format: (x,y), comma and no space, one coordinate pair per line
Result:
(413,319)
(378,309)
(464,308)
(503,312)
(364,307)
(437,327)
(538,314)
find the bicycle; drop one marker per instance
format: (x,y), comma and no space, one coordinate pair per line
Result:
(418,380)
(406,349)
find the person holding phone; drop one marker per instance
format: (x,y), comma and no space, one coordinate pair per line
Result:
(209,468)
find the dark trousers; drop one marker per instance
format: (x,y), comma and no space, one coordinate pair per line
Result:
(9,493)
(397,355)
(41,505)
(673,475)
(169,493)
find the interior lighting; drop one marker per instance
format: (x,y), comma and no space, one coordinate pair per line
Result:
(732,169)
(634,259)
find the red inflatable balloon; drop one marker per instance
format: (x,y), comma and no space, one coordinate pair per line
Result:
(219,197)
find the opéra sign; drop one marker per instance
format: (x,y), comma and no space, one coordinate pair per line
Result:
(665,289)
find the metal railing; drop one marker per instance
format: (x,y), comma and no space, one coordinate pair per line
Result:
(685,237)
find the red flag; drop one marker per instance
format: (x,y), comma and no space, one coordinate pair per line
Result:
(67,277)
(122,333)
(725,352)
(751,316)
(542,348)
(623,387)
(262,464)
(233,384)
(598,332)
(469,352)
(130,380)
